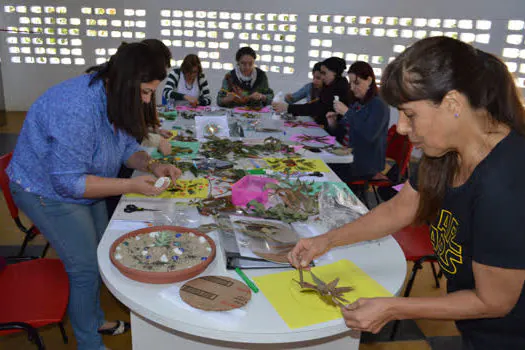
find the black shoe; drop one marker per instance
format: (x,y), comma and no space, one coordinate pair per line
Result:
(119,328)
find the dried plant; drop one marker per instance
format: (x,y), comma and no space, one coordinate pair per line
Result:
(327,291)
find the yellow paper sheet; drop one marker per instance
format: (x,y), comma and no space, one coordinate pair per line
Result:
(195,188)
(300,309)
(295,165)
(173,134)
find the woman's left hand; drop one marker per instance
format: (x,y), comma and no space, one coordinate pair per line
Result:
(280,107)
(256,96)
(167,134)
(164,146)
(368,314)
(162,170)
(340,107)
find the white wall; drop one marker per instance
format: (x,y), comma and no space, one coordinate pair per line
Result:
(23,82)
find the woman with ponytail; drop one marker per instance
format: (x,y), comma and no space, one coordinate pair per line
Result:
(461,107)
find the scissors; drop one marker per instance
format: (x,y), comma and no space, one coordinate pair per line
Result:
(130,208)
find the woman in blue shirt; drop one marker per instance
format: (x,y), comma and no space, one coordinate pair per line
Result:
(74,139)
(363,127)
(311,91)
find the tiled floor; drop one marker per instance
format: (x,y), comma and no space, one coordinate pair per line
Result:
(441,334)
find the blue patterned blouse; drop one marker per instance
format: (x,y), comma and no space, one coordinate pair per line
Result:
(65,137)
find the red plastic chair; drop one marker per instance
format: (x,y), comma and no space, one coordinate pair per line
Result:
(34,294)
(31,232)
(416,245)
(399,148)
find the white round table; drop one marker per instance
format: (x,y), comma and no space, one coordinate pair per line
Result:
(158,324)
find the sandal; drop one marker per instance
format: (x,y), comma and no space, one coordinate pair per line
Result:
(119,328)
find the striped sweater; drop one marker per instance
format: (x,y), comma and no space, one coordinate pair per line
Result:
(170,89)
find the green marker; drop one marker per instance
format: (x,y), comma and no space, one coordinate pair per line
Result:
(247,280)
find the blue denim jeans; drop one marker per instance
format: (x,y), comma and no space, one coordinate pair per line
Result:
(74,231)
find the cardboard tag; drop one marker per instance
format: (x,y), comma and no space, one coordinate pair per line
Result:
(215,293)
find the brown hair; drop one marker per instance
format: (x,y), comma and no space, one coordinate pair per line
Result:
(132,65)
(189,62)
(431,68)
(363,70)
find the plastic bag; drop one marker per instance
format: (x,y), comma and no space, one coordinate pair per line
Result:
(338,205)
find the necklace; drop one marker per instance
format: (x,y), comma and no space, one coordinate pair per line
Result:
(189,87)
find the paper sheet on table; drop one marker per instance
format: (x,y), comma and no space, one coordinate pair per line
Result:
(249,110)
(323,140)
(295,165)
(193,146)
(300,309)
(193,109)
(194,188)
(229,318)
(128,225)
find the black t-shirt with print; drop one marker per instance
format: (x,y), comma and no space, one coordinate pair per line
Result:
(484,221)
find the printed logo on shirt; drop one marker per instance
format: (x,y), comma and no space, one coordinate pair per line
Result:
(443,238)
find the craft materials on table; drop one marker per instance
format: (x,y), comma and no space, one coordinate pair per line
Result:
(199,108)
(194,188)
(301,124)
(173,134)
(215,293)
(247,280)
(313,140)
(271,240)
(162,254)
(247,109)
(295,165)
(179,149)
(299,309)
(227,319)
(131,208)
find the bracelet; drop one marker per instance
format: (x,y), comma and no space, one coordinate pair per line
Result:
(150,163)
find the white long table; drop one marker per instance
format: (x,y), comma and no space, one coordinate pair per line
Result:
(161,325)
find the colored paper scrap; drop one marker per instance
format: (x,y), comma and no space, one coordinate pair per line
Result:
(188,189)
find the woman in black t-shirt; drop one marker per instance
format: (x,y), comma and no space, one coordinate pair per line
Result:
(460,106)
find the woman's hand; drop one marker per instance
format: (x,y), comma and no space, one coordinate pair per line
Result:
(340,107)
(194,101)
(165,133)
(280,107)
(307,250)
(369,314)
(164,146)
(162,170)
(146,185)
(288,97)
(257,96)
(331,117)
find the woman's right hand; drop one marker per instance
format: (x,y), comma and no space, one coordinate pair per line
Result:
(194,101)
(331,117)
(308,249)
(164,146)
(228,98)
(146,185)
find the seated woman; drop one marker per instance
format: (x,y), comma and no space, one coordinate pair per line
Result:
(74,139)
(184,87)
(363,127)
(310,91)
(246,85)
(334,84)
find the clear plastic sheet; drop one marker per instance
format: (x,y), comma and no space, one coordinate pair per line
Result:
(338,206)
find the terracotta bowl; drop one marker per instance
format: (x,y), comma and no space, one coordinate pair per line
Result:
(161,277)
